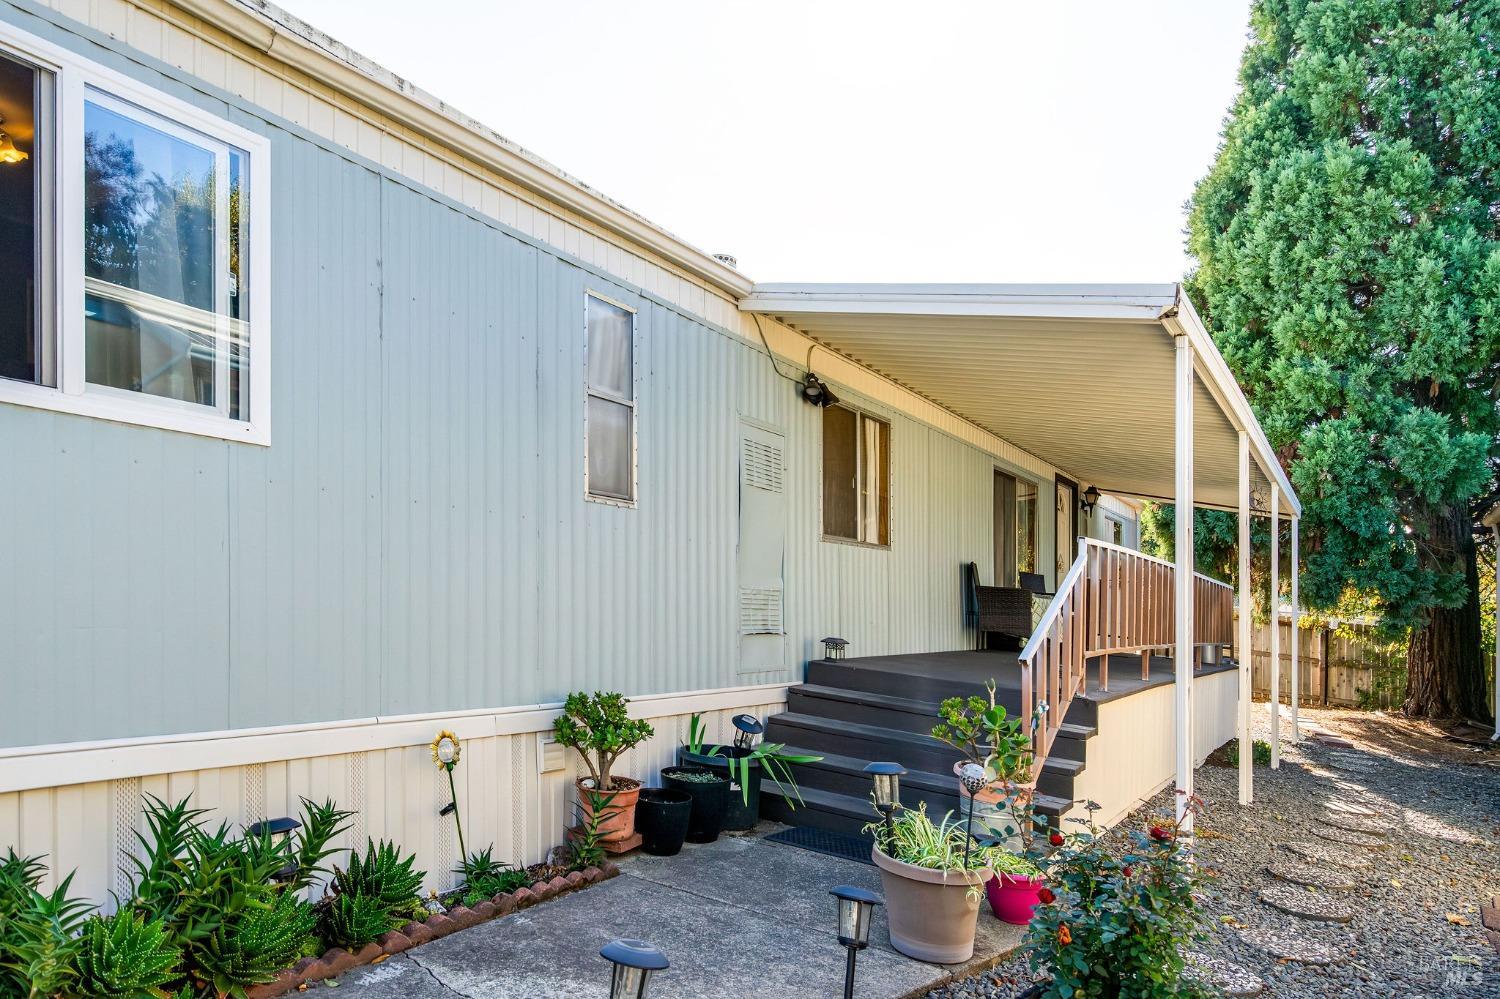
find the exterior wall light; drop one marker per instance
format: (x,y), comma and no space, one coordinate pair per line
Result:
(635,961)
(835,648)
(887,779)
(1089,500)
(855,906)
(814,390)
(747,729)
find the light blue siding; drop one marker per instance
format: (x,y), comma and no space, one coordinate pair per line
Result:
(416,538)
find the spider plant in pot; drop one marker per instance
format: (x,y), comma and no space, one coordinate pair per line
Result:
(599,726)
(744,763)
(987,737)
(933,875)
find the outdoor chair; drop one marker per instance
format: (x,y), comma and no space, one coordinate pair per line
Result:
(999,610)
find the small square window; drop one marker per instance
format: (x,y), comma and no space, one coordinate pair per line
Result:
(856,476)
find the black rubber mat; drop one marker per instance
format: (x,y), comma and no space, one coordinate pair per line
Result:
(822,841)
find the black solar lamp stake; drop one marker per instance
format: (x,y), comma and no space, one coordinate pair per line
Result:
(855,908)
(747,730)
(283,827)
(887,778)
(635,962)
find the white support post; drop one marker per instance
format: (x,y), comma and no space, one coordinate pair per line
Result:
(1242,642)
(1185,651)
(1496,706)
(1275,626)
(1296,735)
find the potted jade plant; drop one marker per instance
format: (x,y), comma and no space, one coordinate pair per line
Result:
(599,726)
(933,876)
(743,763)
(987,737)
(709,792)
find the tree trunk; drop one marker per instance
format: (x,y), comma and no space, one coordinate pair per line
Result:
(1444,675)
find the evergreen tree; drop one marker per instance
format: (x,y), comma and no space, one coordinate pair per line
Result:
(1348,266)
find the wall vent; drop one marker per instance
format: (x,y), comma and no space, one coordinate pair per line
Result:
(762,465)
(760,610)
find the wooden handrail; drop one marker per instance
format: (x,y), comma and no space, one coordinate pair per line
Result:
(1113,601)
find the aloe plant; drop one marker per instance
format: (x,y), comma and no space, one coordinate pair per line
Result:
(772,756)
(123,956)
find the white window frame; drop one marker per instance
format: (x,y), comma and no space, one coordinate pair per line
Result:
(589,392)
(861,415)
(73,78)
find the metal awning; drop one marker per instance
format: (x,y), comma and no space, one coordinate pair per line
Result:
(1082,376)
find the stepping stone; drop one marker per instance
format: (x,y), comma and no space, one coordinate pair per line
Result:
(1429,826)
(1224,976)
(1306,903)
(1313,877)
(1350,837)
(1360,822)
(1290,944)
(1319,853)
(1352,761)
(1346,807)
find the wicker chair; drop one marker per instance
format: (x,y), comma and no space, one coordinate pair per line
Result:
(1002,610)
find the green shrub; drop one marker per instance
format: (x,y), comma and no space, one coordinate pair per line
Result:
(587,848)
(256,946)
(1116,925)
(599,726)
(486,877)
(354,920)
(38,933)
(1260,752)
(381,874)
(320,825)
(125,957)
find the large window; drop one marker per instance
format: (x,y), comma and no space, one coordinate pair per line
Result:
(610,416)
(1015,528)
(133,251)
(856,476)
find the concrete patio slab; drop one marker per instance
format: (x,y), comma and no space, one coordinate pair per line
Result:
(740,917)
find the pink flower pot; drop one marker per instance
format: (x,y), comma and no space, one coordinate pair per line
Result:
(1013,898)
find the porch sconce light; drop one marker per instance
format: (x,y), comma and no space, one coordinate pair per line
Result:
(634,961)
(8,151)
(747,729)
(887,778)
(813,389)
(855,906)
(1089,500)
(283,827)
(835,648)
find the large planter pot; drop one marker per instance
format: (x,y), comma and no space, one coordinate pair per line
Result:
(932,914)
(710,801)
(742,813)
(661,817)
(1013,897)
(619,819)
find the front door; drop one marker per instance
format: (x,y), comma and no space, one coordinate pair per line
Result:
(1067,527)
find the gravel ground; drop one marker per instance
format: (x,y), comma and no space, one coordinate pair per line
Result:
(1415,929)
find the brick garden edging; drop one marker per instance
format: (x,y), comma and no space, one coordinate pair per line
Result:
(338,960)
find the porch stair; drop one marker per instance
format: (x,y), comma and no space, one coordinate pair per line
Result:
(852,715)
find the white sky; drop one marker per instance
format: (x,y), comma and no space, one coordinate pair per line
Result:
(1008,140)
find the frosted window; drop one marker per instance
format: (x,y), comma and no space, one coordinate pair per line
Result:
(610,349)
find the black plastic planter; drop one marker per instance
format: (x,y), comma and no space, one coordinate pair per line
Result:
(661,817)
(742,814)
(710,801)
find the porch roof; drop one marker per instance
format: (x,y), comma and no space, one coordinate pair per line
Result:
(1082,376)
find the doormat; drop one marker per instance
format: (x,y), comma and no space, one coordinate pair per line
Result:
(823,841)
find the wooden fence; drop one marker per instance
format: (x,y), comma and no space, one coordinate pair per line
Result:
(1342,665)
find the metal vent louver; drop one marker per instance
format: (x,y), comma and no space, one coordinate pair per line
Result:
(762,465)
(760,610)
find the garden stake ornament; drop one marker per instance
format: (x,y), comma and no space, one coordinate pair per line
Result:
(974,780)
(446,750)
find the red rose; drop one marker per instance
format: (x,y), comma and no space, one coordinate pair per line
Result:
(1045,896)
(1055,839)
(1160,835)
(1128,870)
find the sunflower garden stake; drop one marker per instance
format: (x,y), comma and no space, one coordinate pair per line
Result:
(446,750)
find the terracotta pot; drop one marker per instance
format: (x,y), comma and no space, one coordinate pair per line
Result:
(932,914)
(1013,897)
(619,820)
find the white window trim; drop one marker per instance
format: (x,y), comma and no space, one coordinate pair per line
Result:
(73,76)
(633,402)
(890,479)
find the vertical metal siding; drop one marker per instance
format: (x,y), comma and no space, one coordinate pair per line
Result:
(417,538)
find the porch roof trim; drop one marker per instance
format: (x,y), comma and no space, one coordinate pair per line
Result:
(996,355)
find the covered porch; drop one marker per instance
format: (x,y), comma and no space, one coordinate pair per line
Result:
(1121,389)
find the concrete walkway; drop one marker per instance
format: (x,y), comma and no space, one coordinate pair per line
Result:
(737,918)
